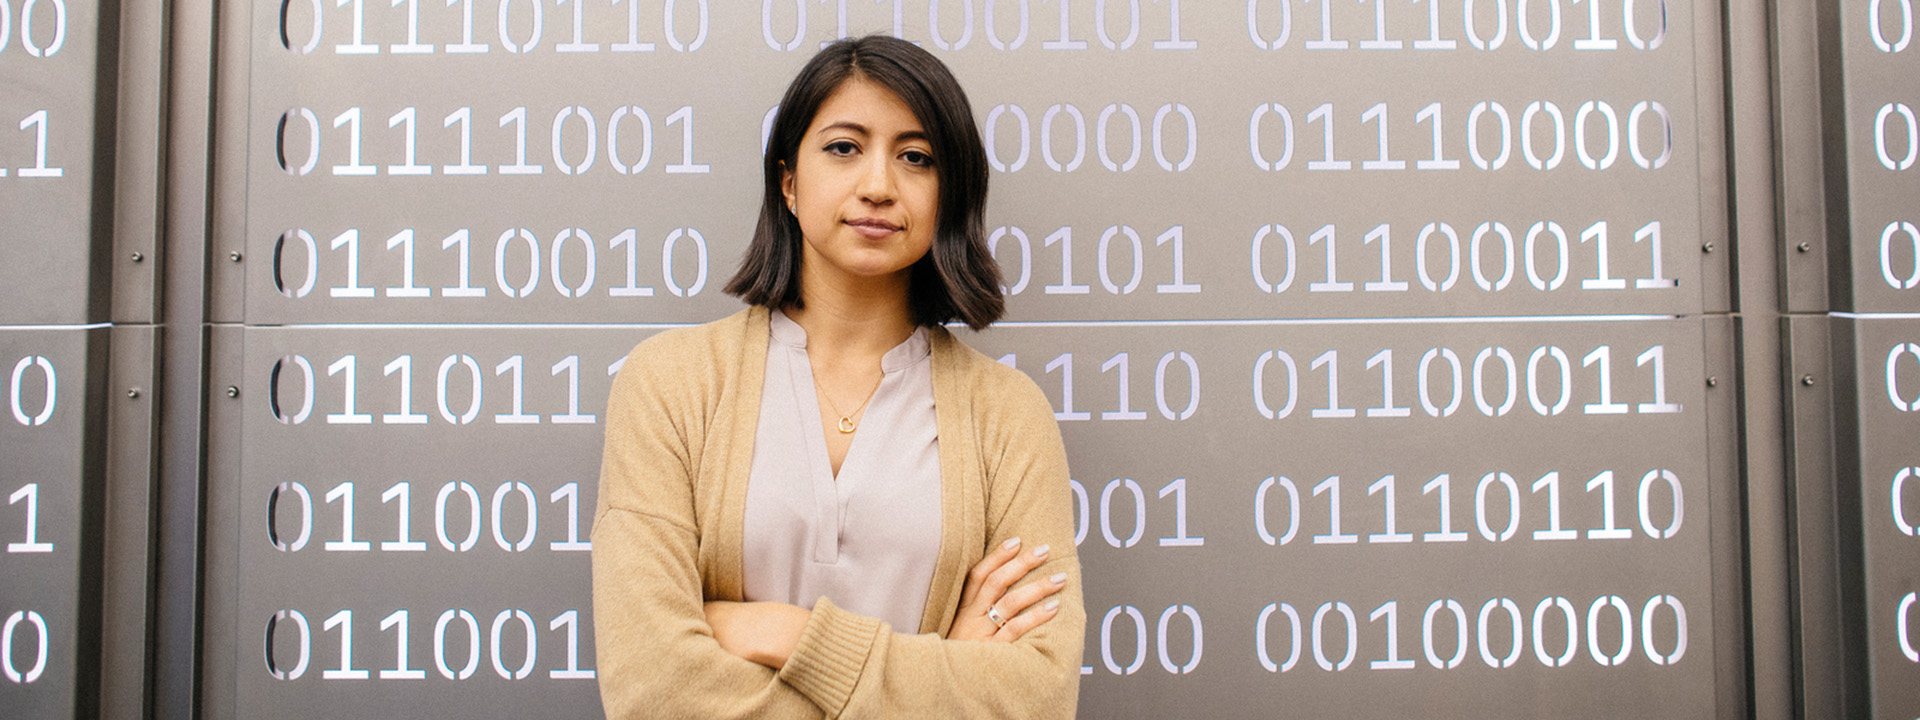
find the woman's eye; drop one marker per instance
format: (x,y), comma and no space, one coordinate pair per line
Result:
(915,157)
(842,147)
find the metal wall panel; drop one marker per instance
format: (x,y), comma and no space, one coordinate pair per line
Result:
(219,673)
(304,566)
(1372,509)
(1880,505)
(382,189)
(1718,270)
(1827,670)
(1868,96)
(48,67)
(50,522)
(1881,168)
(455,498)
(1804,144)
(130,388)
(1733,614)
(138,157)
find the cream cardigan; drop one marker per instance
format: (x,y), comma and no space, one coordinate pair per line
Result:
(668,532)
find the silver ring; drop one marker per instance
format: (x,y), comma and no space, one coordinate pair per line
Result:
(993,613)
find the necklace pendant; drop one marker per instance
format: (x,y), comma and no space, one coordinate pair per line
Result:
(846,425)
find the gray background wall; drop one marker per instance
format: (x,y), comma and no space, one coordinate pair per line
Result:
(1442,359)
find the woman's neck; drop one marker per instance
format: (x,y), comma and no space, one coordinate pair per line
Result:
(850,318)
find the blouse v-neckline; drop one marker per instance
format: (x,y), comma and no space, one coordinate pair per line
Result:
(788,333)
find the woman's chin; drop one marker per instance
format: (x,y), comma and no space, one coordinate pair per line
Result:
(878,266)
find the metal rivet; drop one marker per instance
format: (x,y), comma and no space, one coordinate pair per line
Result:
(234,256)
(137,257)
(233,392)
(1806,380)
(1706,247)
(133,393)
(1713,381)
(1804,247)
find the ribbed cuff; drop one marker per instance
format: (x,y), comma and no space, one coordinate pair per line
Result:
(832,651)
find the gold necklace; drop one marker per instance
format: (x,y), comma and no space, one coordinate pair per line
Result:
(847,425)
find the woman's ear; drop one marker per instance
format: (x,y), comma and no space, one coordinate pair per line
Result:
(786,185)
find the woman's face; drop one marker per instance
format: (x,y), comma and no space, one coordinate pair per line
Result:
(863,185)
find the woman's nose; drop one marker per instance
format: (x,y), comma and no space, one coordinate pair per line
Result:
(876,181)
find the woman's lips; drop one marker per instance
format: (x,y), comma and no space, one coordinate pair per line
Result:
(873,228)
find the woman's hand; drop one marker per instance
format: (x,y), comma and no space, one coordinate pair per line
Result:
(763,632)
(986,590)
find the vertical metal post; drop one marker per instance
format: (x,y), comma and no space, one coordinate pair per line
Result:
(1753,171)
(183,398)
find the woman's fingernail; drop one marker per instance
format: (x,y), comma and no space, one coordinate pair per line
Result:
(1042,550)
(1010,544)
(1059,578)
(1051,605)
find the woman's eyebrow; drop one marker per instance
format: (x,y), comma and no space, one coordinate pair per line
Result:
(856,128)
(862,130)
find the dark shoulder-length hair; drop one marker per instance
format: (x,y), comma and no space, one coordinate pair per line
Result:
(957,279)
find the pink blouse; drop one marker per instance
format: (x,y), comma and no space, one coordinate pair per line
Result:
(867,539)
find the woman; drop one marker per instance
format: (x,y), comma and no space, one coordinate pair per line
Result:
(762,551)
